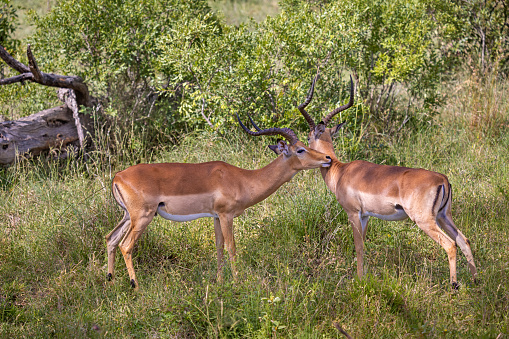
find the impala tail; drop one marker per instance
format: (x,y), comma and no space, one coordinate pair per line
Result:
(441,199)
(118,196)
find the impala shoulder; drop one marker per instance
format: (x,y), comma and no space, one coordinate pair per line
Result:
(223,170)
(358,167)
(361,164)
(221,166)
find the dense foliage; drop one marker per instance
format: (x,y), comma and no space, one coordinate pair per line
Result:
(165,66)
(485,33)
(169,65)
(8,18)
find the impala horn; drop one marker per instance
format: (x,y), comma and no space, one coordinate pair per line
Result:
(329,116)
(286,133)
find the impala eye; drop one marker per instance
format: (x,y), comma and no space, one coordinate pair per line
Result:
(301,150)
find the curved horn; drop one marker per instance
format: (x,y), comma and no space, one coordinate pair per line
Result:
(301,107)
(342,108)
(286,133)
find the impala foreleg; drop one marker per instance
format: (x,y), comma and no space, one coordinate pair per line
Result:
(227,230)
(219,248)
(358,235)
(112,241)
(138,226)
(431,228)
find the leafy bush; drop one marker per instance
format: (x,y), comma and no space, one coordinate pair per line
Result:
(266,68)
(113,46)
(484,28)
(8,25)
(165,65)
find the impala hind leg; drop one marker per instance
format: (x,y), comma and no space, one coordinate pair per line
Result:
(138,226)
(446,223)
(112,241)
(431,228)
(219,248)
(226,222)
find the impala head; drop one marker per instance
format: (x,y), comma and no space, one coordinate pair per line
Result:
(300,156)
(319,135)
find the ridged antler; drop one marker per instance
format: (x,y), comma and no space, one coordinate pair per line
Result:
(284,132)
(339,109)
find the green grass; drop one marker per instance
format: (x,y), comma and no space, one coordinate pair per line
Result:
(295,249)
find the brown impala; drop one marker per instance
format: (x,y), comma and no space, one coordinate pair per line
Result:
(390,193)
(183,192)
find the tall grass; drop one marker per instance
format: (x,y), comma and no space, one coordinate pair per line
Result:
(295,249)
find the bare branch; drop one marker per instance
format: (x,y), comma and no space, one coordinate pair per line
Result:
(13,63)
(33,73)
(17,78)
(202,99)
(69,97)
(33,66)
(340,329)
(203,114)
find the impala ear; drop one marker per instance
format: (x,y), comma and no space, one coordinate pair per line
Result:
(282,148)
(336,129)
(275,149)
(319,129)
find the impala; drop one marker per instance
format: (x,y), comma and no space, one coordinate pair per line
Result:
(391,193)
(184,192)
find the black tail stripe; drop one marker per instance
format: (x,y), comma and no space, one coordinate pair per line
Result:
(436,199)
(122,201)
(448,197)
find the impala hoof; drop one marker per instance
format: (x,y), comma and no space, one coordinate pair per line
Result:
(133,284)
(109,277)
(455,286)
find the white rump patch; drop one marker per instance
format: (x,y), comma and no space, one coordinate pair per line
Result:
(182,218)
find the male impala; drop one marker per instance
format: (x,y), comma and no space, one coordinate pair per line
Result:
(390,193)
(183,192)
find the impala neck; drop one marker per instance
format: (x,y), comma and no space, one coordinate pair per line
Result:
(330,174)
(269,178)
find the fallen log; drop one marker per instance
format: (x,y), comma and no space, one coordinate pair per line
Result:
(51,128)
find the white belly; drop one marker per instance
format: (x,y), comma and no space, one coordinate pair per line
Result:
(186,217)
(399,214)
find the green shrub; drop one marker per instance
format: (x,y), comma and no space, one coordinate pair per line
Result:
(162,67)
